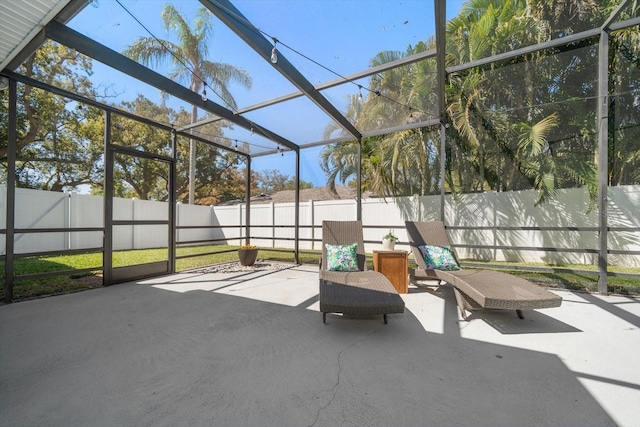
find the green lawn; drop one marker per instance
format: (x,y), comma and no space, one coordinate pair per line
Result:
(64,283)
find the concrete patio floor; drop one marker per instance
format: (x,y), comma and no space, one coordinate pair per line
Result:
(250,349)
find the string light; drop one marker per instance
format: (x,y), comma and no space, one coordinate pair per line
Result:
(274,60)
(274,52)
(237,145)
(274,56)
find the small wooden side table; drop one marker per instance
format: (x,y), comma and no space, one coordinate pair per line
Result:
(395,266)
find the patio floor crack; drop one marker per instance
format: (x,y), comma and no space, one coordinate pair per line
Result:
(334,390)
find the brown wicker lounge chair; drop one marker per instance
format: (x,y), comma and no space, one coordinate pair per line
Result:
(476,289)
(353,292)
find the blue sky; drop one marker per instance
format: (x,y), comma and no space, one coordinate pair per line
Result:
(341,35)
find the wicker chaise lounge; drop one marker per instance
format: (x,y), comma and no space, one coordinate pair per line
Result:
(476,289)
(360,292)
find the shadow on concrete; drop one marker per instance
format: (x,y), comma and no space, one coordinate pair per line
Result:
(614,309)
(504,321)
(135,354)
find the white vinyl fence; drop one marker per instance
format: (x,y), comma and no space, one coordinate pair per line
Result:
(272,224)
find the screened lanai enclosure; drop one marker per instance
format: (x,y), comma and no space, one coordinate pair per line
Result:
(146,137)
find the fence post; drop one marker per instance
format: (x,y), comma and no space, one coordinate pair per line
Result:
(68,207)
(178,204)
(272,210)
(312,223)
(213,232)
(133,227)
(241,222)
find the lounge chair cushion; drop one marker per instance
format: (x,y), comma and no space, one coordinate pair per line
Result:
(439,257)
(342,257)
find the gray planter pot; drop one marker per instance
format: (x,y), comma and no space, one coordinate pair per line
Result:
(247,257)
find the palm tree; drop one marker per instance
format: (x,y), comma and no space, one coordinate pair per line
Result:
(506,133)
(395,164)
(506,118)
(190,64)
(339,160)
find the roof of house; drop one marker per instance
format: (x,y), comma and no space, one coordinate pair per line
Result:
(316,194)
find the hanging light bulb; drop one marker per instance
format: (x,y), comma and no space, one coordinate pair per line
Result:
(359,93)
(252,131)
(274,52)
(204,94)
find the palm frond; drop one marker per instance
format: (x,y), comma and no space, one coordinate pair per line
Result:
(533,139)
